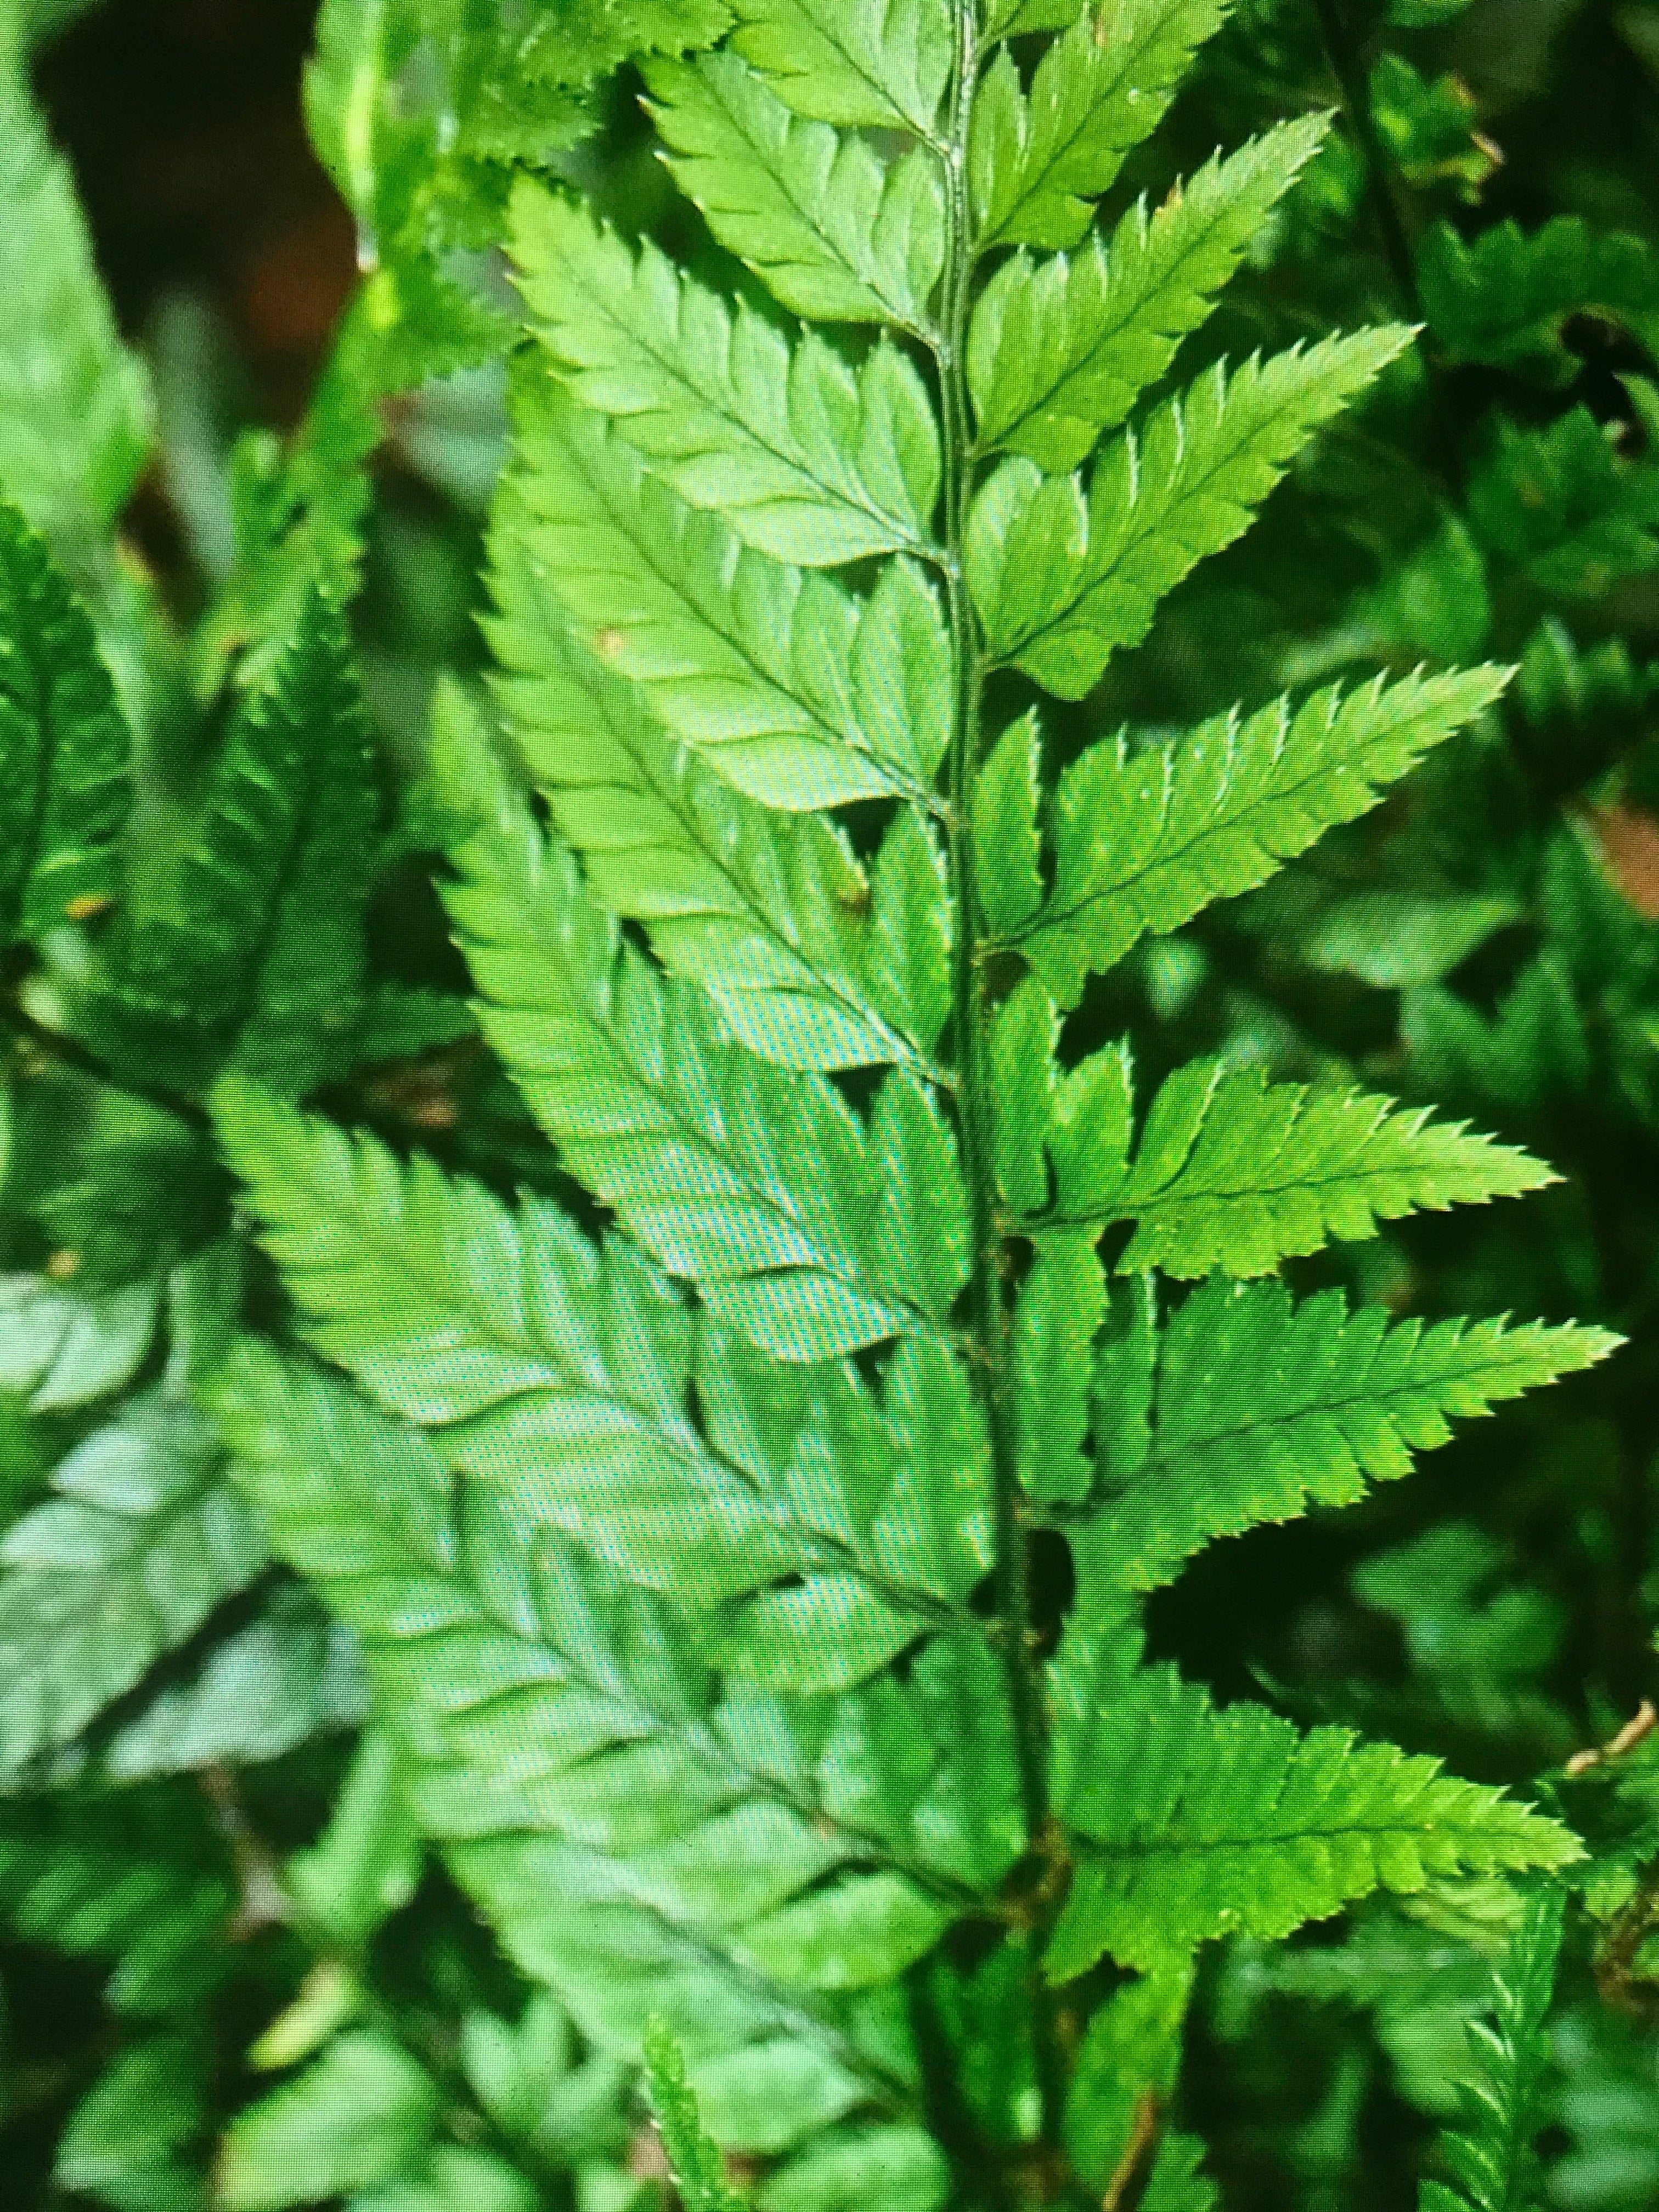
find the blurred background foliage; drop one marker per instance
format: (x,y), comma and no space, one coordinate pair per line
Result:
(226,1977)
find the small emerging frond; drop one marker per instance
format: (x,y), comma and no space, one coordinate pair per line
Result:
(1490,2158)
(64,787)
(246,942)
(695,2162)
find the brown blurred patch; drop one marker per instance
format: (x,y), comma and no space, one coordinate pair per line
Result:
(1629,839)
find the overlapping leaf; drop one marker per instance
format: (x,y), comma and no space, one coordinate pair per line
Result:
(752,1869)
(811,961)
(835,234)
(140,1540)
(827,1530)
(883,65)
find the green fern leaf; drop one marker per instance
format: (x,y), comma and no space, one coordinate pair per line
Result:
(833,232)
(759,1185)
(1059,351)
(247,943)
(1492,2160)
(562,1374)
(1061,1305)
(122,2143)
(774,1876)
(1264,1408)
(880,65)
(1038,160)
(578,41)
(139,1542)
(1144,841)
(63,747)
(1236,1173)
(1062,582)
(797,692)
(74,404)
(807,459)
(1196,1823)
(808,960)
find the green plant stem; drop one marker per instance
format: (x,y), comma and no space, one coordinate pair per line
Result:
(989,1316)
(1350,73)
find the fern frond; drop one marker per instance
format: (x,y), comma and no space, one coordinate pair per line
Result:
(1037,161)
(1264,1408)
(747,1876)
(64,746)
(1144,841)
(247,942)
(835,234)
(140,1540)
(797,692)
(1238,1173)
(808,459)
(876,64)
(74,404)
(1059,351)
(1195,1823)
(1062,582)
(760,1186)
(1492,2160)
(811,960)
(561,1373)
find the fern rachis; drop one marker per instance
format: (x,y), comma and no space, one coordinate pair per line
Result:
(696,1558)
